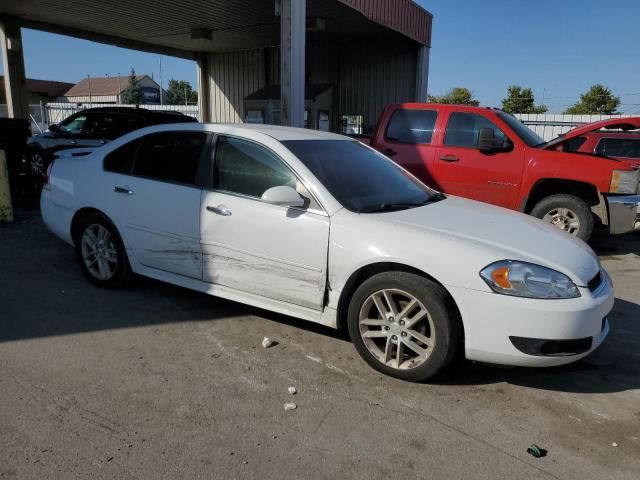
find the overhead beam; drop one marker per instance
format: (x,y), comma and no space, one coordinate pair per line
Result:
(15,82)
(292,61)
(109,39)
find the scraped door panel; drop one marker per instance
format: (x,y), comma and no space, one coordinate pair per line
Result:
(264,249)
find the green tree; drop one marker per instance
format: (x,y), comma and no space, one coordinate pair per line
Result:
(520,100)
(133,94)
(177,90)
(598,100)
(455,96)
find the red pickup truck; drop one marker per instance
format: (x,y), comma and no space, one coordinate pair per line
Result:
(489,155)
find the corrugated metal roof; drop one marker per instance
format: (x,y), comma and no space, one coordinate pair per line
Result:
(235,24)
(404,16)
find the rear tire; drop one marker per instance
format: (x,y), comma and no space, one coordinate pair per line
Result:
(566,212)
(101,252)
(391,340)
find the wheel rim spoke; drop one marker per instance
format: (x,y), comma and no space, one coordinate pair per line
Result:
(99,253)
(396,328)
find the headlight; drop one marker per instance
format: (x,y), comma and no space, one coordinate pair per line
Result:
(625,181)
(522,279)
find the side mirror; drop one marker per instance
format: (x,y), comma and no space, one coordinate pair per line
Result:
(486,137)
(283,196)
(53,128)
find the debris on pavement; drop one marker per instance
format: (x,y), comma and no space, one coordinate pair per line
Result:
(290,406)
(292,390)
(614,444)
(267,342)
(536,451)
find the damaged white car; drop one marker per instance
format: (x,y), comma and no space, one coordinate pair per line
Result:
(320,227)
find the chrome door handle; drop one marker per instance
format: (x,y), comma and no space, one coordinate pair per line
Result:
(73,142)
(123,190)
(220,210)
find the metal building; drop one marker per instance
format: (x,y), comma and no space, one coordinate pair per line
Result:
(359,54)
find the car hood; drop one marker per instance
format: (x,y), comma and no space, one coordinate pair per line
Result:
(629,123)
(504,234)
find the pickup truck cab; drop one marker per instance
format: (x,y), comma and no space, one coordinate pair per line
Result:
(488,155)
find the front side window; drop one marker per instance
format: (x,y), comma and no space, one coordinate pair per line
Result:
(412,126)
(74,125)
(246,168)
(619,147)
(361,179)
(463,130)
(527,135)
(574,144)
(171,156)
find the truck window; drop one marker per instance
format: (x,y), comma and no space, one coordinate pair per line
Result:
(619,147)
(463,130)
(411,126)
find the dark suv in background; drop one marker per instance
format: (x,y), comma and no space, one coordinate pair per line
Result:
(92,127)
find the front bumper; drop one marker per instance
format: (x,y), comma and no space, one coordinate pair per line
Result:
(491,322)
(624,213)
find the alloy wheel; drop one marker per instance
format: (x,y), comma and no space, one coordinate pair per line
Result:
(99,252)
(564,219)
(36,165)
(397,329)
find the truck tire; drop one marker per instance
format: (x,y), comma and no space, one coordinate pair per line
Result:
(566,212)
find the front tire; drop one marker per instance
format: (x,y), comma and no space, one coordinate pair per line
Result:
(101,252)
(404,325)
(568,213)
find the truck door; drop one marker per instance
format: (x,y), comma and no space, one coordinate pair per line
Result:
(462,169)
(407,141)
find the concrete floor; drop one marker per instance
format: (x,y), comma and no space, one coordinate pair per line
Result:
(160,382)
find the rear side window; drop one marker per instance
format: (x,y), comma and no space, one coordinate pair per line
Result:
(112,125)
(171,157)
(463,130)
(619,147)
(411,126)
(248,169)
(121,159)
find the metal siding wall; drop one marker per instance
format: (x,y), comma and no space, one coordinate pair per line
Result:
(368,83)
(233,76)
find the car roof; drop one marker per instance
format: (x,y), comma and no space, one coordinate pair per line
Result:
(136,110)
(633,134)
(280,133)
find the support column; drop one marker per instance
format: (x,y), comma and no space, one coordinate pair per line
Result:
(292,58)
(15,82)
(422,74)
(204,87)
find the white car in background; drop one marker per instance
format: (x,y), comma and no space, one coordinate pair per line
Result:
(320,227)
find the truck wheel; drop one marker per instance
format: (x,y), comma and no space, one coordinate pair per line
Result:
(404,325)
(36,161)
(569,213)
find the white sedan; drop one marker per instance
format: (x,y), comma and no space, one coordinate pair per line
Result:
(320,227)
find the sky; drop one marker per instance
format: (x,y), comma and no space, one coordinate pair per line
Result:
(556,47)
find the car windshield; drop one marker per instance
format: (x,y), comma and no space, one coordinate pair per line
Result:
(527,135)
(361,179)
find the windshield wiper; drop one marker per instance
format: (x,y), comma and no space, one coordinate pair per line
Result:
(394,206)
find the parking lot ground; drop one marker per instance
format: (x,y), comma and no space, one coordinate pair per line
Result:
(161,382)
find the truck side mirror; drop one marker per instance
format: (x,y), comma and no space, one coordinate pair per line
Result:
(486,137)
(54,128)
